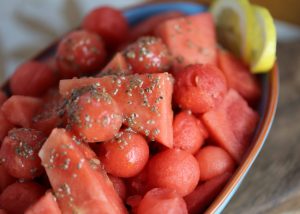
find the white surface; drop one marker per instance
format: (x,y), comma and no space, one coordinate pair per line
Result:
(27,26)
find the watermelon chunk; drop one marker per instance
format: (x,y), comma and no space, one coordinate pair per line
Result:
(148,26)
(51,114)
(5,126)
(239,77)
(190,39)
(17,197)
(117,65)
(19,110)
(204,194)
(45,205)
(144,100)
(232,124)
(79,183)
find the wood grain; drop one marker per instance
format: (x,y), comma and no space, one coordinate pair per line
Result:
(273,184)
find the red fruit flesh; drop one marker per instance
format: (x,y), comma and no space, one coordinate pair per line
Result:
(199,88)
(109,23)
(190,40)
(144,100)
(45,205)
(17,197)
(80,53)
(77,177)
(148,55)
(232,124)
(19,152)
(162,201)
(19,110)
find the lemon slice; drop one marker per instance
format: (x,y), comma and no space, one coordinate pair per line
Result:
(263,42)
(234,21)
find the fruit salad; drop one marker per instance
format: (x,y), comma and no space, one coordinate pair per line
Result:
(145,119)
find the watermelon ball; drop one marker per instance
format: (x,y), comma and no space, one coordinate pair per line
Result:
(189,132)
(80,53)
(148,55)
(109,23)
(93,115)
(18,197)
(199,87)
(32,79)
(214,161)
(174,169)
(19,153)
(124,156)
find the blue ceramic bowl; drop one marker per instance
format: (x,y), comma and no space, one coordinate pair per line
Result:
(267,106)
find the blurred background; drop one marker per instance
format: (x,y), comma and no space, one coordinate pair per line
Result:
(273,184)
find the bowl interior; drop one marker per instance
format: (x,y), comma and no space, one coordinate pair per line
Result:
(266,107)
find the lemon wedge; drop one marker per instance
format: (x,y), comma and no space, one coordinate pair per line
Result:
(234,21)
(263,43)
(248,31)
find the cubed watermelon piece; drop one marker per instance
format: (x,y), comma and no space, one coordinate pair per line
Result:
(117,65)
(239,77)
(232,124)
(45,205)
(79,183)
(19,110)
(52,112)
(204,194)
(190,39)
(5,126)
(147,27)
(144,100)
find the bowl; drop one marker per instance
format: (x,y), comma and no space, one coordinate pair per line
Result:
(266,108)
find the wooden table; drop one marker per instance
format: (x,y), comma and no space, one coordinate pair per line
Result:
(273,183)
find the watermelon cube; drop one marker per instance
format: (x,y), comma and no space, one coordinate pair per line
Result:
(147,27)
(204,194)
(232,124)
(79,182)
(144,100)
(190,39)
(51,113)
(117,65)
(45,205)
(19,110)
(239,76)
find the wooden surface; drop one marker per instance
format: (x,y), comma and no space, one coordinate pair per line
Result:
(273,183)
(287,10)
